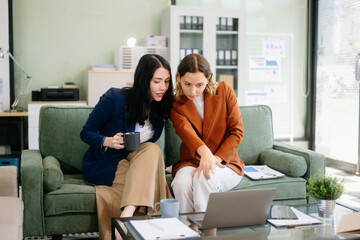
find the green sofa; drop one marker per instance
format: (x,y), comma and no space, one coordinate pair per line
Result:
(58,201)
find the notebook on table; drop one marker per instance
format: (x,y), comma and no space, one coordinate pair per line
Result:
(235,209)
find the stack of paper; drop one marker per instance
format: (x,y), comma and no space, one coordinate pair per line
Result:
(162,228)
(258,172)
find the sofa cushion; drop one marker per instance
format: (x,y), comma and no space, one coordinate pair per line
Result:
(289,164)
(172,147)
(287,188)
(61,142)
(258,133)
(74,196)
(53,176)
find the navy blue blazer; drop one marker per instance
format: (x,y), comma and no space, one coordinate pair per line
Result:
(106,119)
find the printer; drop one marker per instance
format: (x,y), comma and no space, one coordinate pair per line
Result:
(59,94)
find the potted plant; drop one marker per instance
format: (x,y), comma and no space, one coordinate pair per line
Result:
(326,190)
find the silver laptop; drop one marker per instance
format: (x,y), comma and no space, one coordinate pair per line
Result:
(235,209)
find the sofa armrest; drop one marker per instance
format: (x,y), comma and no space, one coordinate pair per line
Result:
(9,181)
(315,161)
(32,192)
(287,163)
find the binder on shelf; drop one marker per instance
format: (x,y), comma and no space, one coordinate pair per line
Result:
(182,22)
(194,23)
(221,57)
(195,50)
(217,23)
(227,57)
(187,22)
(223,26)
(229,24)
(235,24)
(188,51)
(234,60)
(182,53)
(201,23)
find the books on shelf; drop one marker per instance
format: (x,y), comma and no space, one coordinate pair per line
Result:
(260,172)
(162,228)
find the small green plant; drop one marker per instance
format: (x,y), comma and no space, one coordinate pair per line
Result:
(325,187)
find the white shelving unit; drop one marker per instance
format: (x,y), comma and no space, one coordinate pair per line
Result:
(205,31)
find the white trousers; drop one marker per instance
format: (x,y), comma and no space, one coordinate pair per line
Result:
(193,192)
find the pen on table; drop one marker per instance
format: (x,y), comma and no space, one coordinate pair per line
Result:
(298,224)
(182,236)
(154,224)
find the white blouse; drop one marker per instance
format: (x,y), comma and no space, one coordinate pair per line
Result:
(199,104)
(146,131)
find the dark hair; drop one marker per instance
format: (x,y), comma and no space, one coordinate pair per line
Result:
(138,101)
(194,63)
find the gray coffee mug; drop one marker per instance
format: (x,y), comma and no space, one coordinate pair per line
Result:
(168,208)
(132,140)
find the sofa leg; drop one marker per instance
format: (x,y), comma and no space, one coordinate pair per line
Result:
(56,237)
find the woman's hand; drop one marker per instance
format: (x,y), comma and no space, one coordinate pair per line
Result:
(208,161)
(116,142)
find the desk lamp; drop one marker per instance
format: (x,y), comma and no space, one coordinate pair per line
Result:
(28,77)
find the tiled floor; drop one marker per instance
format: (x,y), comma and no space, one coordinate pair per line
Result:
(351,196)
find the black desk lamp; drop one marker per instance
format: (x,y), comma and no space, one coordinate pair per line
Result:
(28,77)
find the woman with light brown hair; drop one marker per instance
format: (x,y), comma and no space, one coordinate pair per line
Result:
(207,118)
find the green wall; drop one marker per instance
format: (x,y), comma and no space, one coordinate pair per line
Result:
(56,41)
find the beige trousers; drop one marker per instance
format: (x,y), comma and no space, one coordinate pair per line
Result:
(139,181)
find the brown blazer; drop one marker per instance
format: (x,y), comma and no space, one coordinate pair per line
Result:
(221,129)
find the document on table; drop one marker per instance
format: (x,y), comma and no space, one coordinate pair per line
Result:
(162,228)
(259,172)
(303,219)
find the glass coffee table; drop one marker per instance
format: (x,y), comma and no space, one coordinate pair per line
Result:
(326,230)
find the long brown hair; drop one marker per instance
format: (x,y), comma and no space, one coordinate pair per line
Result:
(194,63)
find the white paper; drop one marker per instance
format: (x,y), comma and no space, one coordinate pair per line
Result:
(263,69)
(162,228)
(257,172)
(303,219)
(274,47)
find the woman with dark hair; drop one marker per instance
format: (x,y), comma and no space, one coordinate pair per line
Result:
(125,181)
(207,118)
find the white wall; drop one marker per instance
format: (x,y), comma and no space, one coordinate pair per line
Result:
(4,62)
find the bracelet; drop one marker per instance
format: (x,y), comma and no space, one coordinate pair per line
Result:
(109,142)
